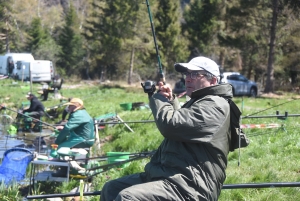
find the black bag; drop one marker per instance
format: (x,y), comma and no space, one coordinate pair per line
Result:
(238,137)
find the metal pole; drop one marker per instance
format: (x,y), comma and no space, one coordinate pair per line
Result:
(246,117)
(261,185)
(62,195)
(225,186)
(23,67)
(273,116)
(30,75)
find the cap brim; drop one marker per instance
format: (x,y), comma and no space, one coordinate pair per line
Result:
(183,67)
(69,103)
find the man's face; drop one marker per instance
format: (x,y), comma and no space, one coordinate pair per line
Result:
(196,81)
(71,108)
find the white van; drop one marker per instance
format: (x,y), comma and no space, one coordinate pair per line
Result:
(41,70)
(8,62)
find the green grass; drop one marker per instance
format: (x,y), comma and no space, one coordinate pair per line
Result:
(272,155)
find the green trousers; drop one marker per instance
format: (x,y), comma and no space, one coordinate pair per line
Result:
(135,188)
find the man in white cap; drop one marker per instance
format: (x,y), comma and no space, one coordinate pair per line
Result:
(190,163)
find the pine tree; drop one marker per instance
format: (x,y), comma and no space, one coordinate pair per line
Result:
(6,30)
(246,36)
(201,26)
(70,42)
(276,6)
(172,45)
(36,35)
(114,30)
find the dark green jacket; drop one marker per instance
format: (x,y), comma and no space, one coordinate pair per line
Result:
(79,128)
(193,154)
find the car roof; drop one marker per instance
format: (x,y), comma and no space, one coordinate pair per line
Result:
(231,73)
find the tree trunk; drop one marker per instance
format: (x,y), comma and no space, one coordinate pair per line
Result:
(270,71)
(7,39)
(87,70)
(131,66)
(222,58)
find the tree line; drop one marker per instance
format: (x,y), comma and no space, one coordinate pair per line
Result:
(112,39)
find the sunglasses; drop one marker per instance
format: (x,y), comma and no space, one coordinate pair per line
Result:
(193,75)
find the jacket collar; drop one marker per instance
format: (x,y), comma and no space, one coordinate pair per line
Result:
(224,90)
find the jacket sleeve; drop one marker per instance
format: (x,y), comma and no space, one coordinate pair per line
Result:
(74,121)
(195,124)
(31,107)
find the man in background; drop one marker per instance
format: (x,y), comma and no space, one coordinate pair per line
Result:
(36,108)
(35,111)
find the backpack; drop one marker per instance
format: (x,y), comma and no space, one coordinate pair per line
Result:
(238,137)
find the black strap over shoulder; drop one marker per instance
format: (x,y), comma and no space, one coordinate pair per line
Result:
(238,137)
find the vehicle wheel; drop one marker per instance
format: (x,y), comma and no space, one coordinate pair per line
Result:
(253,92)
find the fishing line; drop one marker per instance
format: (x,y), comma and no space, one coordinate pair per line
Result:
(269,108)
(29,117)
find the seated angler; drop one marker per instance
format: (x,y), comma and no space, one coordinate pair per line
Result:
(36,111)
(78,132)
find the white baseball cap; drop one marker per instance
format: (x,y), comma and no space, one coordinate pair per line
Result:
(199,63)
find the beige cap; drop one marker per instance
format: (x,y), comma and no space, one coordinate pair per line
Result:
(76,102)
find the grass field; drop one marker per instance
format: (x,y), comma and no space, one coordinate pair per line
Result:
(272,155)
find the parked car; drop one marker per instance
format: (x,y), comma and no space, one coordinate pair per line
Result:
(241,86)
(179,86)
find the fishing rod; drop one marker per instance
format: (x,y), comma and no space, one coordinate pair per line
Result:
(116,155)
(62,195)
(149,86)
(161,74)
(28,116)
(246,117)
(269,108)
(56,106)
(124,122)
(225,186)
(106,167)
(286,115)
